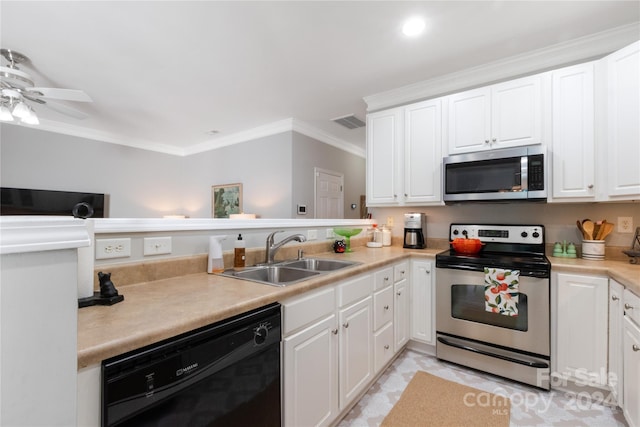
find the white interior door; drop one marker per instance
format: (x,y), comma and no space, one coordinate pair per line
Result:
(329,194)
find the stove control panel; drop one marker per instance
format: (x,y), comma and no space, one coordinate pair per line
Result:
(529,234)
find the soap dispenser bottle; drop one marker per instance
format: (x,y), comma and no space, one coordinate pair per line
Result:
(239,253)
(216,263)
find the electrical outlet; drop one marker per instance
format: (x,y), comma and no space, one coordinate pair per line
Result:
(312,234)
(113,248)
(157,245)
(329,234)
(625,224)
(389,221)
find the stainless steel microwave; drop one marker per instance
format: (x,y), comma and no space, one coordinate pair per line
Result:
(496,175)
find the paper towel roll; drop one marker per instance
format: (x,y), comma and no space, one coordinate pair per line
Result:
(86,259)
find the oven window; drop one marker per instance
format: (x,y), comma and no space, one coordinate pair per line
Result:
(487,176)
(467,303)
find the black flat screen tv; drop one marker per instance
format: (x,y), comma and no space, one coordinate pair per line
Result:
(23,201)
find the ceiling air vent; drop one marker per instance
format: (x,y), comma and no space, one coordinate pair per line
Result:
(350,121)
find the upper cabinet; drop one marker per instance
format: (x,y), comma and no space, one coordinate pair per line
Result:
(508,114)
(622,144)
(404,155)
(572,143)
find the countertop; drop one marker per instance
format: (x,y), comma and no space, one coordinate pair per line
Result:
(154,311)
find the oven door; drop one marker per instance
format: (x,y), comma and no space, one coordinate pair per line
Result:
(461,312)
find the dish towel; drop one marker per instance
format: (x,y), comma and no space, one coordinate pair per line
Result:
(501,291)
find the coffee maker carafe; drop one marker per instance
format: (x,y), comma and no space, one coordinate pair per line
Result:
(415,230)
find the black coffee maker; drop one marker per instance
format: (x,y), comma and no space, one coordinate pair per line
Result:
(415,230)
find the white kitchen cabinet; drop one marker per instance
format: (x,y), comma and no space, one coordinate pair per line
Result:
(581,327)
(616,312)
(622,145)
(311,375)
(404,155)
(423,152)
(503,115)
(383,313)
(355,352)
(384,145)
(402,313)
(631,356)
(573,145)
(422,300)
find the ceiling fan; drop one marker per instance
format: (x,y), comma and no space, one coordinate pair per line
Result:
(17,87)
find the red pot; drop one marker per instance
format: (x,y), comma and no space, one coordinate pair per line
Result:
(467,246)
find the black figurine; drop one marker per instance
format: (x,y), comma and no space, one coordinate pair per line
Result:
(107,288)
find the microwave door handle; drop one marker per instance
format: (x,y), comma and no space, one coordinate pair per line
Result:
(524,177)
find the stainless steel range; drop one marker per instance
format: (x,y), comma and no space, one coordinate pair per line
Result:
(493,307)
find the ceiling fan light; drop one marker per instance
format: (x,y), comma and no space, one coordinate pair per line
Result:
(31,118)
(5,114)
(21,110)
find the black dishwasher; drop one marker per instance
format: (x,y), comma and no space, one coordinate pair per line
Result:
(224,374)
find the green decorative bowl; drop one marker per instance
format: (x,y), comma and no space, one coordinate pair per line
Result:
(347,233)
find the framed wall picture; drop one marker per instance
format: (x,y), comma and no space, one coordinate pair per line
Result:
(225,200)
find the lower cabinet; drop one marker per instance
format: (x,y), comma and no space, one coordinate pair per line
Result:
(401,320)
(581,327)
(422,324)
(631,359)
(616,316)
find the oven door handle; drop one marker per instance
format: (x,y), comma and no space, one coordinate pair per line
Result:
(498,356)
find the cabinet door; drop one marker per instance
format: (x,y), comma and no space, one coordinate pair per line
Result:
(573,132)
(356,350)
(581,339)
(623,128)
(422,313)
(516,112)
(616,313)
(384,136)
(311,375)
(423,152)
(401,314)
(631,372)
(383,347)
(470,121)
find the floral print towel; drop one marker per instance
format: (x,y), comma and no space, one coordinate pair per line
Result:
(501,291)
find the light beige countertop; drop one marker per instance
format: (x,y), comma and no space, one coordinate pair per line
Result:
(160,309)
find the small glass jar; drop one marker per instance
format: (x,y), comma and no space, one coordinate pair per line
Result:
(386,236)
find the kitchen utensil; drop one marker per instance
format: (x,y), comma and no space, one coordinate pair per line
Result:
(579,224)
(597,226)
(588,225)
(467,246)
(607,229)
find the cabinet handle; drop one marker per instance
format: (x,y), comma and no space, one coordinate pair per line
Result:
(395,196)
(590,186)
(635,348)
(493,140)
(346,325)
(428,271)
(386,279)
(386,307)
(386,347)
(399,293)
(614,297)
(334,331)
(406,195)
(628,307)
(486,141)
(402,272)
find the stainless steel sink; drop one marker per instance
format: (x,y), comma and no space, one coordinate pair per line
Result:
(288,272)
(272,275)
(317,264)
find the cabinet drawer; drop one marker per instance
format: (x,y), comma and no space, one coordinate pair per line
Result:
(632,306)
(400,271)
(382,307)
(383,278)
(383,347)
(300,311)
(354,290)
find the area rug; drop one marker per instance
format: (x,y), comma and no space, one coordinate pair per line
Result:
(432,401)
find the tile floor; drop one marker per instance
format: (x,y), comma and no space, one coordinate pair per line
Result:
(529,406)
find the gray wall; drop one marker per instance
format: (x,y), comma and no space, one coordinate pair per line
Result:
(148,184)
(308,154)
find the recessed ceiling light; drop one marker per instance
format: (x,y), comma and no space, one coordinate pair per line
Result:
(413,26)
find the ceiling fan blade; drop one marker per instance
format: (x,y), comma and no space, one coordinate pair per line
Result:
(62,94)
(63,109)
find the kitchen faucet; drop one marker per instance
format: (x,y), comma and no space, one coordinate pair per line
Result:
(272,247)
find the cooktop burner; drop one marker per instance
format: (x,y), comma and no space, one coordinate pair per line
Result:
(518,247)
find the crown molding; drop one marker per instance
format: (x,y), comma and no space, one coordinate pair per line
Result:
(315,133)
(573,51)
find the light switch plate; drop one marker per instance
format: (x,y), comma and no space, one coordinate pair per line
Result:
(157,245)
